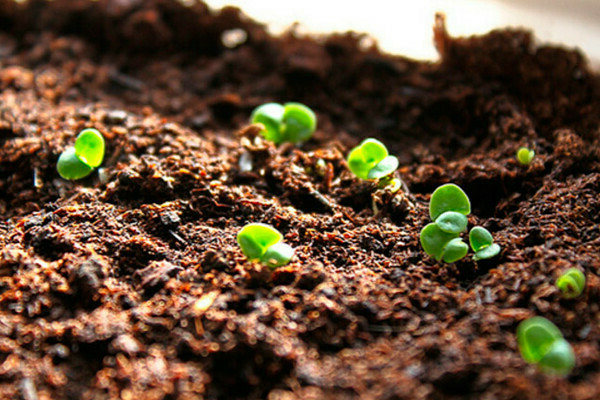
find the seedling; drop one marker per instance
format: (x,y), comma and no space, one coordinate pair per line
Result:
(482,243)
(264,243)
(442,245)
(571,283)
(525,155)
(371,160)
(79,161)
(541,342)
(291,122)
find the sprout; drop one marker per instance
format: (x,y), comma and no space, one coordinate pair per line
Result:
(482,243)
(79,161)
(571,283)
(264,243)
(525,156)
(371,160)
(541,342)
(291,122)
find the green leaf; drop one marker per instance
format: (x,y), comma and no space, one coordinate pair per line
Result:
(452,222)
(255,239)
(571,283)
(433,240)
(89,147)
(299,122)
(535,336)
(271,116)
(384,168)
(454,250)
(479,238)
(559,358)
(69,166)
(277,255)
(487,252)
(525,156)
(448,197)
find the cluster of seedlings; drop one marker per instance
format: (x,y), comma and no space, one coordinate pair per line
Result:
(540,341)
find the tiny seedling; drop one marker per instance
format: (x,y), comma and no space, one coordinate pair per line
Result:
(371,160)
(442,245)
(571,283)
(482,243)
(264,243)
(79,161)
(525,155)
(291,122)
(541,342)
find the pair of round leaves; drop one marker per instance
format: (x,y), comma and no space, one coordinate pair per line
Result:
(541,342)
(371,160)
(449,207)
(80,160)
(482,243)
(264,243)
(291,122)
(525,156)
(571,283)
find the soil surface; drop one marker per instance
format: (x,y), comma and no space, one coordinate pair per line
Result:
(129,283)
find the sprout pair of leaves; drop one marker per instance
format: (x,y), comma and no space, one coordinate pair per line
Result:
(542,343)
(571,283)
(448,208)
(291,122)
(264,243)
(79,161)
(371,160)
(525,155)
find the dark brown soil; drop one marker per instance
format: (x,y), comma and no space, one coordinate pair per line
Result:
(129,284)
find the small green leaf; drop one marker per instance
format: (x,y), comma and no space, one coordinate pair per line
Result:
(559,358)
(535,336)
(454,250)
(479,238)
(271,116)
(571,283)
(452,222)
(487,252)
(70,167)
(255,239)
(89,147)
(448,197)
(525,156)
(384,168)
(277,255)
(300,122)
(433,240)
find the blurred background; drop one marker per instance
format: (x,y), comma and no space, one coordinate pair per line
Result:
(405,26)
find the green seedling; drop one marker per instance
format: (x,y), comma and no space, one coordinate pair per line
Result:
(441,245)
(264,243)
(571,283)
(291,122)
(79,161)
(525,156)
(482,243)
(541,342)
(371,160)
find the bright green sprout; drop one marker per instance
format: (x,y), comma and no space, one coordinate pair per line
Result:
(79,161)
(482,243)
(264,243)
(541,342)
(291,122)
(371,160)
(525,156)
(571,283)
